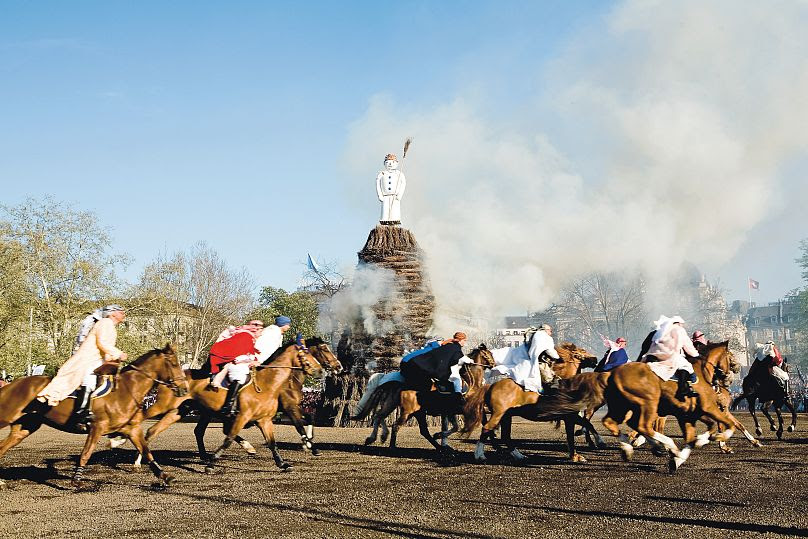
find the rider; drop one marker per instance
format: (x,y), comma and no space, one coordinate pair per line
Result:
(232,356)
(665,355)
(767,355)
(419,371)
(615,356)
(700,341)
(527,367)
(98,346)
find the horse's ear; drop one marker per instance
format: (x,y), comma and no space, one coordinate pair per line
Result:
(169,348)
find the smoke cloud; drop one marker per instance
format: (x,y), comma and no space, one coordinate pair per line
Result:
(659,137)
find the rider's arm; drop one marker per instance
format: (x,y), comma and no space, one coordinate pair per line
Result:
(105,335)
(688,347)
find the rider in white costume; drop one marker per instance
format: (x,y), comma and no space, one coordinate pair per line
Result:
(527,371)
(390,185)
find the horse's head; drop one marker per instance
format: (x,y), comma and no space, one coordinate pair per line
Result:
(306,360)
(482,359)
(718,362)
(164,366)
(483,356)
(574,359)
(322,352)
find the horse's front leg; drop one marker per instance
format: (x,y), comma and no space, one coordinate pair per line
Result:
(296,415)
(170,417)
(569,425)
(779,421)
(138,439)
(750,403)
(89,446)
(23,428)
(793,410)
(423,428)
(267,429)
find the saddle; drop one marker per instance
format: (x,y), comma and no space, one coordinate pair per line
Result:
(103,389)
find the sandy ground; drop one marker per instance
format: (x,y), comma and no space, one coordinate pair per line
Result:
(353,491)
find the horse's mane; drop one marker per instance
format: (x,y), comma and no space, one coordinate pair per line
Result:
(276,354)
(142,359)
(713,345)
(314,341)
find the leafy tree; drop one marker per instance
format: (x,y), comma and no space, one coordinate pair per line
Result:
(300,306)
(802,302)
(64,255)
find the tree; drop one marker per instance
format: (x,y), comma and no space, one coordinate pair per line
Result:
(65,256)
(324,282)
(189,298)
(300,306)
(607,304)
(802,302)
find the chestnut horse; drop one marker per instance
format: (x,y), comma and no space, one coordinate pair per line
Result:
(290,398)
(385,399)
(635,388)
(118,411)
(258,400)
(505,398)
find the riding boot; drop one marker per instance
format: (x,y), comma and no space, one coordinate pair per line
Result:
(230,407)
(83,416)
(685,381)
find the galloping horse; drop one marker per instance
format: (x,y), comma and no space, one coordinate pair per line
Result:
(762,386)
(118,411)
(290,398)
(505,398)
(258,400)
(386,398)
(635,388)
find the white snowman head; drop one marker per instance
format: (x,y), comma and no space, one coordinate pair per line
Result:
(390,162)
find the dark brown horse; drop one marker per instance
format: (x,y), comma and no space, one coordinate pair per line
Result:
(290,398)
(635,388)
(384,399)
(760,385)
(118,411)
(505,398)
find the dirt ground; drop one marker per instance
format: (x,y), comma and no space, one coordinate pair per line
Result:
(353,491)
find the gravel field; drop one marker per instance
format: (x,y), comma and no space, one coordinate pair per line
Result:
(353,491)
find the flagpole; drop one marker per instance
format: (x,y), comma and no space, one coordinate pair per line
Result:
(749,289)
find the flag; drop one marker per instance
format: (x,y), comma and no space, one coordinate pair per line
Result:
(754,285)
(312,264)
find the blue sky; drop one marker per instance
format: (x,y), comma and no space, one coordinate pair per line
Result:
(228,122)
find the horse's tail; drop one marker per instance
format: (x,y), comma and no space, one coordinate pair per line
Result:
(736,401)
(556,404)
(473,409)
(370,398)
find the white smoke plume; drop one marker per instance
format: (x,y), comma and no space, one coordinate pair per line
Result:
(370,287)
(659,137)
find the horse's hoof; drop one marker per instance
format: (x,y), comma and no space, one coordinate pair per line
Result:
(727,450)
(626,451)
(772,428)
(369,441)
(792,428)
(3,485)
(167,478)
(315,452)
(757,443)
(672,465)
(779,435)
(579,432)
(658,451)
(137,468)
(758,432)
(210,470)
(578,458)
(286,467)
(602,445)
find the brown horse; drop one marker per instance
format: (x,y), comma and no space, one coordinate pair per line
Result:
(290,398)
(118,411)
(258,400)
(635,388)
(384,399)
(505,398)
